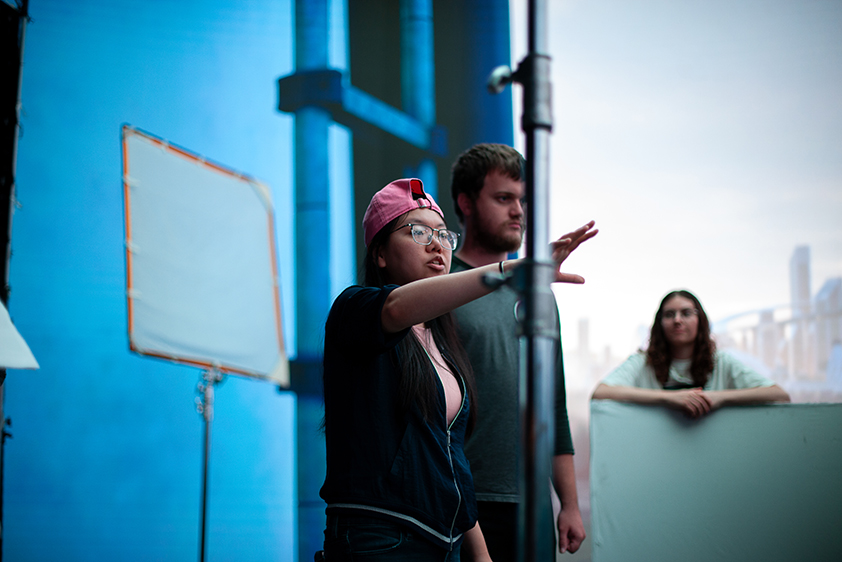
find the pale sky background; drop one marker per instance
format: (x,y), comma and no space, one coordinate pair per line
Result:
(705,138)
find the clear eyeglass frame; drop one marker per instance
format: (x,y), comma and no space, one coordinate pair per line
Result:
(423,235)
(685,313)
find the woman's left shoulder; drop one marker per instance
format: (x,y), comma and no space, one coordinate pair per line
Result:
(727,356)
(731,357)
(747,370)
(361,297)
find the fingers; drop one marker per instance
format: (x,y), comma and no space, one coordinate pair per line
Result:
(578,241)
(569,278)
(692,409)
(561,243)
(561,528)
(574,544)
(587,236)
(565,245)
(692,402)
(562,248)
(704,404)
(576,234)
(695,403)
(579,235)
(563,540)
(563,543)
(569,540)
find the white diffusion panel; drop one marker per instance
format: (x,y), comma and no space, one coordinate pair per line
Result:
(201,271)
(14,353)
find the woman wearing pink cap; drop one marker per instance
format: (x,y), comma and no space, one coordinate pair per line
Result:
(398,390)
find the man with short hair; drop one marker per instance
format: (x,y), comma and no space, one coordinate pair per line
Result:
(488,190)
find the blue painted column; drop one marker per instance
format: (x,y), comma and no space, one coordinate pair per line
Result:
(418,83)
(488,44)
(312,277)
(312,222)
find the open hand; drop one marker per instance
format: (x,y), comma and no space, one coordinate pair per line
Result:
(565,245)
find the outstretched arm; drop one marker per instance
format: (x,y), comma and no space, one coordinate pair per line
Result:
(429,298)
(756,395)
(692,402)
(425,299)
(571,530)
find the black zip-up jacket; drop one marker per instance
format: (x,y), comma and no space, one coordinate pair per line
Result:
(381,461)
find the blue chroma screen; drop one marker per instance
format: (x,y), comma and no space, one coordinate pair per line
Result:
(106,457)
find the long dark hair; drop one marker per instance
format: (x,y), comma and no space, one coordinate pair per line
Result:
(417,375)
(659,353)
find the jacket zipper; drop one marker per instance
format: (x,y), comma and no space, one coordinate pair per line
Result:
(450,460)
(449,453)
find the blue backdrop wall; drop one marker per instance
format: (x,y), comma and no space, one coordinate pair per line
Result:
(105,460)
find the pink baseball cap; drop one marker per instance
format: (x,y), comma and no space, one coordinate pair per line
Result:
(397,198)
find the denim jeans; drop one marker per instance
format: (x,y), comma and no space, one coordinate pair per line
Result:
(357,538)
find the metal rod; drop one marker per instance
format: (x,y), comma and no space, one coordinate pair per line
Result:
(205,407)
(537,325)
(203,539)
(538,331)
(4,434)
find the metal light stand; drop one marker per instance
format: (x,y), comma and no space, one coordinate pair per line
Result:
(204,405)
(4,434)
(537,330)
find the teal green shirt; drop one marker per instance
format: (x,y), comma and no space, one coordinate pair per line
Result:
(728,373)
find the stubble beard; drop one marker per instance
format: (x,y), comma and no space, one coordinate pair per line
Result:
(497,241)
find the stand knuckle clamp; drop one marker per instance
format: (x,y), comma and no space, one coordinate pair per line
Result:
(535,317)
(534,74)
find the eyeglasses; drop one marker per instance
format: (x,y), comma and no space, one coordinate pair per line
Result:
(423,234)
(684,313)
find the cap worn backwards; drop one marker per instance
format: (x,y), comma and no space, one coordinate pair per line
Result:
(397,198)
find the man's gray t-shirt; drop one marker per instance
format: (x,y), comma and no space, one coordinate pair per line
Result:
(487,330)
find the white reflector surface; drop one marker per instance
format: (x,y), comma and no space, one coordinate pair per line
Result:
(14,353)
(200,262)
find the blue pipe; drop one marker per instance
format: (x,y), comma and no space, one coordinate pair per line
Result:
(418,82)
(312,262)
(418,78)
(488,45)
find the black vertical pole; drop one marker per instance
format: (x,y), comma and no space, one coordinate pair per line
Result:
(205,407)
(538,337)
(538,333)
(205,463)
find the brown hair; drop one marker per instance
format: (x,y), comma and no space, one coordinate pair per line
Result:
(469,171)
(659,354)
